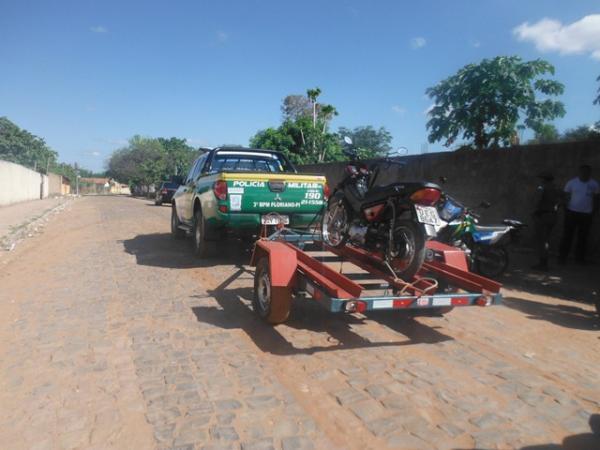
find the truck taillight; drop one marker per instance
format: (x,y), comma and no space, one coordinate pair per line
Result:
(164,191)
(220,189)
(326,191)
(426,196)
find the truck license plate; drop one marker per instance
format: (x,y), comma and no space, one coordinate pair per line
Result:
(427,214)
(275,220)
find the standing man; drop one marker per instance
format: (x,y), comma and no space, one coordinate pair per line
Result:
(582,203)
(547,199)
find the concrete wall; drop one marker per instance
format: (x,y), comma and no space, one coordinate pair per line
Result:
(18,183)
(504,177)
(54,184)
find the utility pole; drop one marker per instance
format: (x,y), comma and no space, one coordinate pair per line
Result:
(76,179)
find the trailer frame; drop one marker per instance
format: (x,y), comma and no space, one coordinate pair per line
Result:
(444,281)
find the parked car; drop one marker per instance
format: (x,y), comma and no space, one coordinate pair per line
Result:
(240,189)
(164,193)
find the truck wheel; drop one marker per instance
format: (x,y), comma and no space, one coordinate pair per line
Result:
(176,232)
(202,247)
(271,303)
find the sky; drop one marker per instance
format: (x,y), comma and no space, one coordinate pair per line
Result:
(88,74)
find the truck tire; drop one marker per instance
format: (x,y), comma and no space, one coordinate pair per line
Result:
(176,232)
(271,303)
(202,246)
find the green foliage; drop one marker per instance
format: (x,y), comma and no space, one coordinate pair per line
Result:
(145,161)
(22,147)
(482,103)
(545,134)
(304,135)
(300,142)
(370,142)
(583,133)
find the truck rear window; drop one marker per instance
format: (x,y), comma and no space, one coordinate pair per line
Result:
(249,162)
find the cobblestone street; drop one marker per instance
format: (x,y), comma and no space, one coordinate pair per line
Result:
(113,335)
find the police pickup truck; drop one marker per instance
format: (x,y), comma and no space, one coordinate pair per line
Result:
(239,189)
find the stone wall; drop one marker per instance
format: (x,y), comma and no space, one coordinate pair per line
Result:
(504,177)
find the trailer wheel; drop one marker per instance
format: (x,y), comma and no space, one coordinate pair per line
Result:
(271,303)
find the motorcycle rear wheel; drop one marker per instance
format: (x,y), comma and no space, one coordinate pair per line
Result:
(491,261)
(336,219)
(409,254)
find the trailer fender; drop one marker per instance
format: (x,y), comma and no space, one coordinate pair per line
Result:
(282,261)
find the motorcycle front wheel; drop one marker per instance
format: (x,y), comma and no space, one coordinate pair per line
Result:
(491,260)
(336,218)
(409,253)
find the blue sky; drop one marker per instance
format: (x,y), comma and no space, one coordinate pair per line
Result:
(86,75)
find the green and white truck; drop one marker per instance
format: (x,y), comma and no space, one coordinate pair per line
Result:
(240,189)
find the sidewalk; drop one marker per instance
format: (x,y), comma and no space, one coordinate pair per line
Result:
(20,214)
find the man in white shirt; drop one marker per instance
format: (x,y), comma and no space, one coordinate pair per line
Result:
(582,203)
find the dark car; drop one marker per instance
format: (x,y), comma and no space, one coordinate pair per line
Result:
(164,193)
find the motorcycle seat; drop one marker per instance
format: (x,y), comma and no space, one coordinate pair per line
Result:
(378,193)
(492,228)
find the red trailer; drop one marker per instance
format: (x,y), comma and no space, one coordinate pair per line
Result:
(350,279)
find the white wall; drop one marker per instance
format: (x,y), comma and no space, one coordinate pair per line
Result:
(18,183)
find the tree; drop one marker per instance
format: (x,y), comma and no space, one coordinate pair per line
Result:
(582,133)
(371,143)
(545,133)
(22,147)
(296,106)
(483,102)
(312,95)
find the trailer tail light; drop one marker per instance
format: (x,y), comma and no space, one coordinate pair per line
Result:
(460,301)
(402,302)
(326,191)
(223,209)
(426,196)
(220,189)
(355,306)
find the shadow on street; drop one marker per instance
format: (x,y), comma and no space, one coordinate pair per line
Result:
(234,312)
(569,316)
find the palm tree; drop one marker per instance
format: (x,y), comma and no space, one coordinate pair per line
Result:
(312,95)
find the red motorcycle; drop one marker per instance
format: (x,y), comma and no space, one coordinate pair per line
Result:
(395,220)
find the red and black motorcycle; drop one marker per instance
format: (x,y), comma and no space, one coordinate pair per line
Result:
(395,220)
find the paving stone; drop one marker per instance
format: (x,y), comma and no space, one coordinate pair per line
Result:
(229,404)
(262,402)
(348,395)
(262,444)
(450,429)
(487,420)
(223,433)
(405,441)
(368,410)
(297,443)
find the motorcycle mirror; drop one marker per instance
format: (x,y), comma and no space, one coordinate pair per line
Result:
(348,140)
(485,204)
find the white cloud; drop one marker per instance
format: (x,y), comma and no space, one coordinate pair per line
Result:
(582,36)
(222,37)
(99,29)
(475,43)
(95,153)
(399,109)
(418,42)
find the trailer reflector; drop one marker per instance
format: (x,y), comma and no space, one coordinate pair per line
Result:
(484,300)
(381,304)
(460,301)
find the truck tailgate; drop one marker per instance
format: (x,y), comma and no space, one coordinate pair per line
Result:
(274,192)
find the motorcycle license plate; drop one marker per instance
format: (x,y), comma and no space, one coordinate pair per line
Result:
(275,220)
(427,214)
